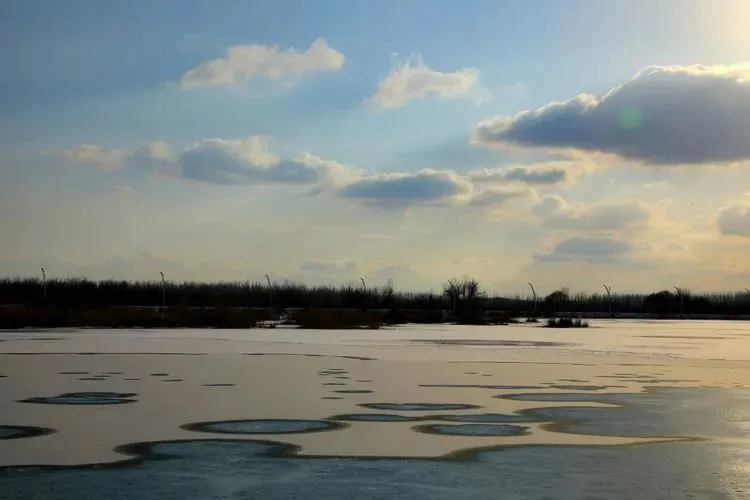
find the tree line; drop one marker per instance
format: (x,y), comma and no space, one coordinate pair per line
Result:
(459,296)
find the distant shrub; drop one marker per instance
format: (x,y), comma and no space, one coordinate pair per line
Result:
(566,323)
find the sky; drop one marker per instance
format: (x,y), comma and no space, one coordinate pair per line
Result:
(565,142)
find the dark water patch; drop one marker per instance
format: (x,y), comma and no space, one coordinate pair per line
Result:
(357,358)
(554,397)
(72,373)
(131,379)
(221,469)
(113,373)
(84,398)
(331,397)
(219,385)
(264,426)
(353,391)
(173,380)
(670,347)
(342,378)
(579,387)
(470,373)
(573,380)
(419,406)
(474,362)
(486,374)
(487,418)
(37,339)
(650,365)
(159,374)
(374,417)
(703,412)
(93,378)
(332,372)
(494,343)
(483,386)
(364,381)
(654,380)
(688,337)
(8,432)
(335,383)
(478,430)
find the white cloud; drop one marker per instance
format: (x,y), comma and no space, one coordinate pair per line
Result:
(552,173)
(329,267)
(108,160)
(249,161)
(734,219)
(496,197)
(603,216)
(332,173)
(413,79)
(668,115)
(398,190)
(595,249)
(246,62)
(89,154)
(246,161)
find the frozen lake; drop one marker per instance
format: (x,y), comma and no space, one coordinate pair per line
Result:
(624,409)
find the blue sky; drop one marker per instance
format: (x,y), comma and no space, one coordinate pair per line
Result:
(133,141)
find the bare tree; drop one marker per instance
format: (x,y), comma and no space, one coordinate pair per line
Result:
(453,290)
(471,291)
(388,292)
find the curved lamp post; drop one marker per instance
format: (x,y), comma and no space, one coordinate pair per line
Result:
(609,297)
(364,289)
(44,286)
(533,292)
(270,298)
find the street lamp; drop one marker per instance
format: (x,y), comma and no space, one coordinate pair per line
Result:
(679,292)
(44,285)
(364,289)
(533,292)
(609,297)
